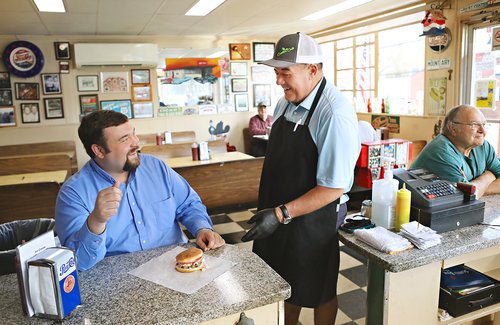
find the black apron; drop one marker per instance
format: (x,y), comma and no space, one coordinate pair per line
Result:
(306,251)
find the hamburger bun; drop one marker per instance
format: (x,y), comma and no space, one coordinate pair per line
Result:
(189,260)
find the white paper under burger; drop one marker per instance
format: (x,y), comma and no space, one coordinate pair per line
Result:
(161,270)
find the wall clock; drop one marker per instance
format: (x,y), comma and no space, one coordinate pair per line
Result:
(23,59)
(439,43)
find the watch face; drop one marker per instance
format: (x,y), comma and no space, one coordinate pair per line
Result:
(287,220)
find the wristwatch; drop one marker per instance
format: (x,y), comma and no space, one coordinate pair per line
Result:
(286,217)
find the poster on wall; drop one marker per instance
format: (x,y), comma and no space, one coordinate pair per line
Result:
(484,93)
(390,122)
(437,96)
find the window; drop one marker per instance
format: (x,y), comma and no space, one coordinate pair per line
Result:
(482,81)
(387,65)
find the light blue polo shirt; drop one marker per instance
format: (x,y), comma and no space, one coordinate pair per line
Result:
(334,130)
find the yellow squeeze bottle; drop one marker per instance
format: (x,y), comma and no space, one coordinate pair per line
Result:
(403,203)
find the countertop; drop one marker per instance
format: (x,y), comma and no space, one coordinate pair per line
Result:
(453,243)
(112,296)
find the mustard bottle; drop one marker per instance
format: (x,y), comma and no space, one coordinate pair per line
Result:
(403,203)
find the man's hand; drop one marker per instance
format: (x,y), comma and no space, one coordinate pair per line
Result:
(207,239)
(106,206)
(266,222)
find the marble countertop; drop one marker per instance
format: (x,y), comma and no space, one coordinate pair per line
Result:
(453,243)
(112,296)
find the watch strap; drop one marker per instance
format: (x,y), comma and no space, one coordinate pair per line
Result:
(286,216)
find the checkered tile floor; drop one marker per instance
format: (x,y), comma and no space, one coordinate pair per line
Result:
(351,288)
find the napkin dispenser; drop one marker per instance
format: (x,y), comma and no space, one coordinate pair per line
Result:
(53,283)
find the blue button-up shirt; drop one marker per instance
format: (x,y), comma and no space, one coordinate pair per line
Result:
(155,199)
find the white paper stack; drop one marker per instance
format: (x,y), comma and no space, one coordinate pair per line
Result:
(421,236)
(382,239)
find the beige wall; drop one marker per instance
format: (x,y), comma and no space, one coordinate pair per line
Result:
(66,128)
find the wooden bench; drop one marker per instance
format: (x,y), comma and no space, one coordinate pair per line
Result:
(28,201)
(177,137)
(33,164)
(40,149)
(165,151)
(222,185)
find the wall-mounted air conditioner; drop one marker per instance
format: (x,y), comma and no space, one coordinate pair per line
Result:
(116,54)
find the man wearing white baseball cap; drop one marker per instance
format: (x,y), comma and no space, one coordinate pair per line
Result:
(309,165)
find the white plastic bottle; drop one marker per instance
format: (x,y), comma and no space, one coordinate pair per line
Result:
(384,200)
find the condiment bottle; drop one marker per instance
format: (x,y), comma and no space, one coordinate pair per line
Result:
(369,106)
(403,204)
(195,153)
(384,200)
(382,106)
(158,138)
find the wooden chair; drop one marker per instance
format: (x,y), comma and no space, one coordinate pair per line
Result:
(28,201)
(21,165)
(165,151)
(177,137)
(230,184)
(417,146)
(42,148)
(247,138)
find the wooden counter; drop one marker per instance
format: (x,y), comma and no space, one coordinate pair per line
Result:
(110,295)
(216,158)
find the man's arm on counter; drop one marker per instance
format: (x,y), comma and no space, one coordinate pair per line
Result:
(486,184)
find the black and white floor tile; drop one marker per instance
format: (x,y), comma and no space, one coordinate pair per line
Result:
(352,281)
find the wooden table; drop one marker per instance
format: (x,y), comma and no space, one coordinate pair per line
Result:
(187,161)
(58,176)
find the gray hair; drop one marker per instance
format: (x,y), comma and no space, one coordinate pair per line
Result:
(451,117)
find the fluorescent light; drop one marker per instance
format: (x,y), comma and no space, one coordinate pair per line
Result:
(335,9)
(217,54)
(50,5)
(203,7)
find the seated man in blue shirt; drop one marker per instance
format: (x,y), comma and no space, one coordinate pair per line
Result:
(461,154)
(121,201)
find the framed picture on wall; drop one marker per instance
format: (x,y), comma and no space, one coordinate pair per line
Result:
(238,68)
(30,113)
(5,97)
(140,76)
(27,91)
(261,94)
(239,51)
(114,82)
(53,108)
(62,50)
(4,80)
(141,93)
(87,83)
(239,85)
(142,110)
(7,116)
(241,102)
(122,106)
(88,103)
(262,51)
(51,83)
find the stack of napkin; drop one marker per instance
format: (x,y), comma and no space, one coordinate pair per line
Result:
(421,236)
(382,239)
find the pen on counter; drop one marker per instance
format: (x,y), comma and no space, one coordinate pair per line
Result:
(297,124)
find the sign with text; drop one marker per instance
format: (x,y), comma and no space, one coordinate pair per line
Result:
(390,122)
(436,64)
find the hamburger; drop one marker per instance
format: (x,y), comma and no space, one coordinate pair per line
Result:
(190,260)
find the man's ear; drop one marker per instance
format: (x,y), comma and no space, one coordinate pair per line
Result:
(98,151)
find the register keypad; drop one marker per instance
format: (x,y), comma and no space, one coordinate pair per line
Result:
(438,189)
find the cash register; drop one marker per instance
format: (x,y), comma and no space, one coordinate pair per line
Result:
(439,204)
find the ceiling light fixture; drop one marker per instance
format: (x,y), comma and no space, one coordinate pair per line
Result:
(335,9)
(203,7)
(50,5)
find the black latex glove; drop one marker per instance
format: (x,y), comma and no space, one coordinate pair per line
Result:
(266,223)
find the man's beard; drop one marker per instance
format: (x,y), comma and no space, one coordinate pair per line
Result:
(132,163)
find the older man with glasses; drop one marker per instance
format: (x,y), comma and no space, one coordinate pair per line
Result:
(461,153)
